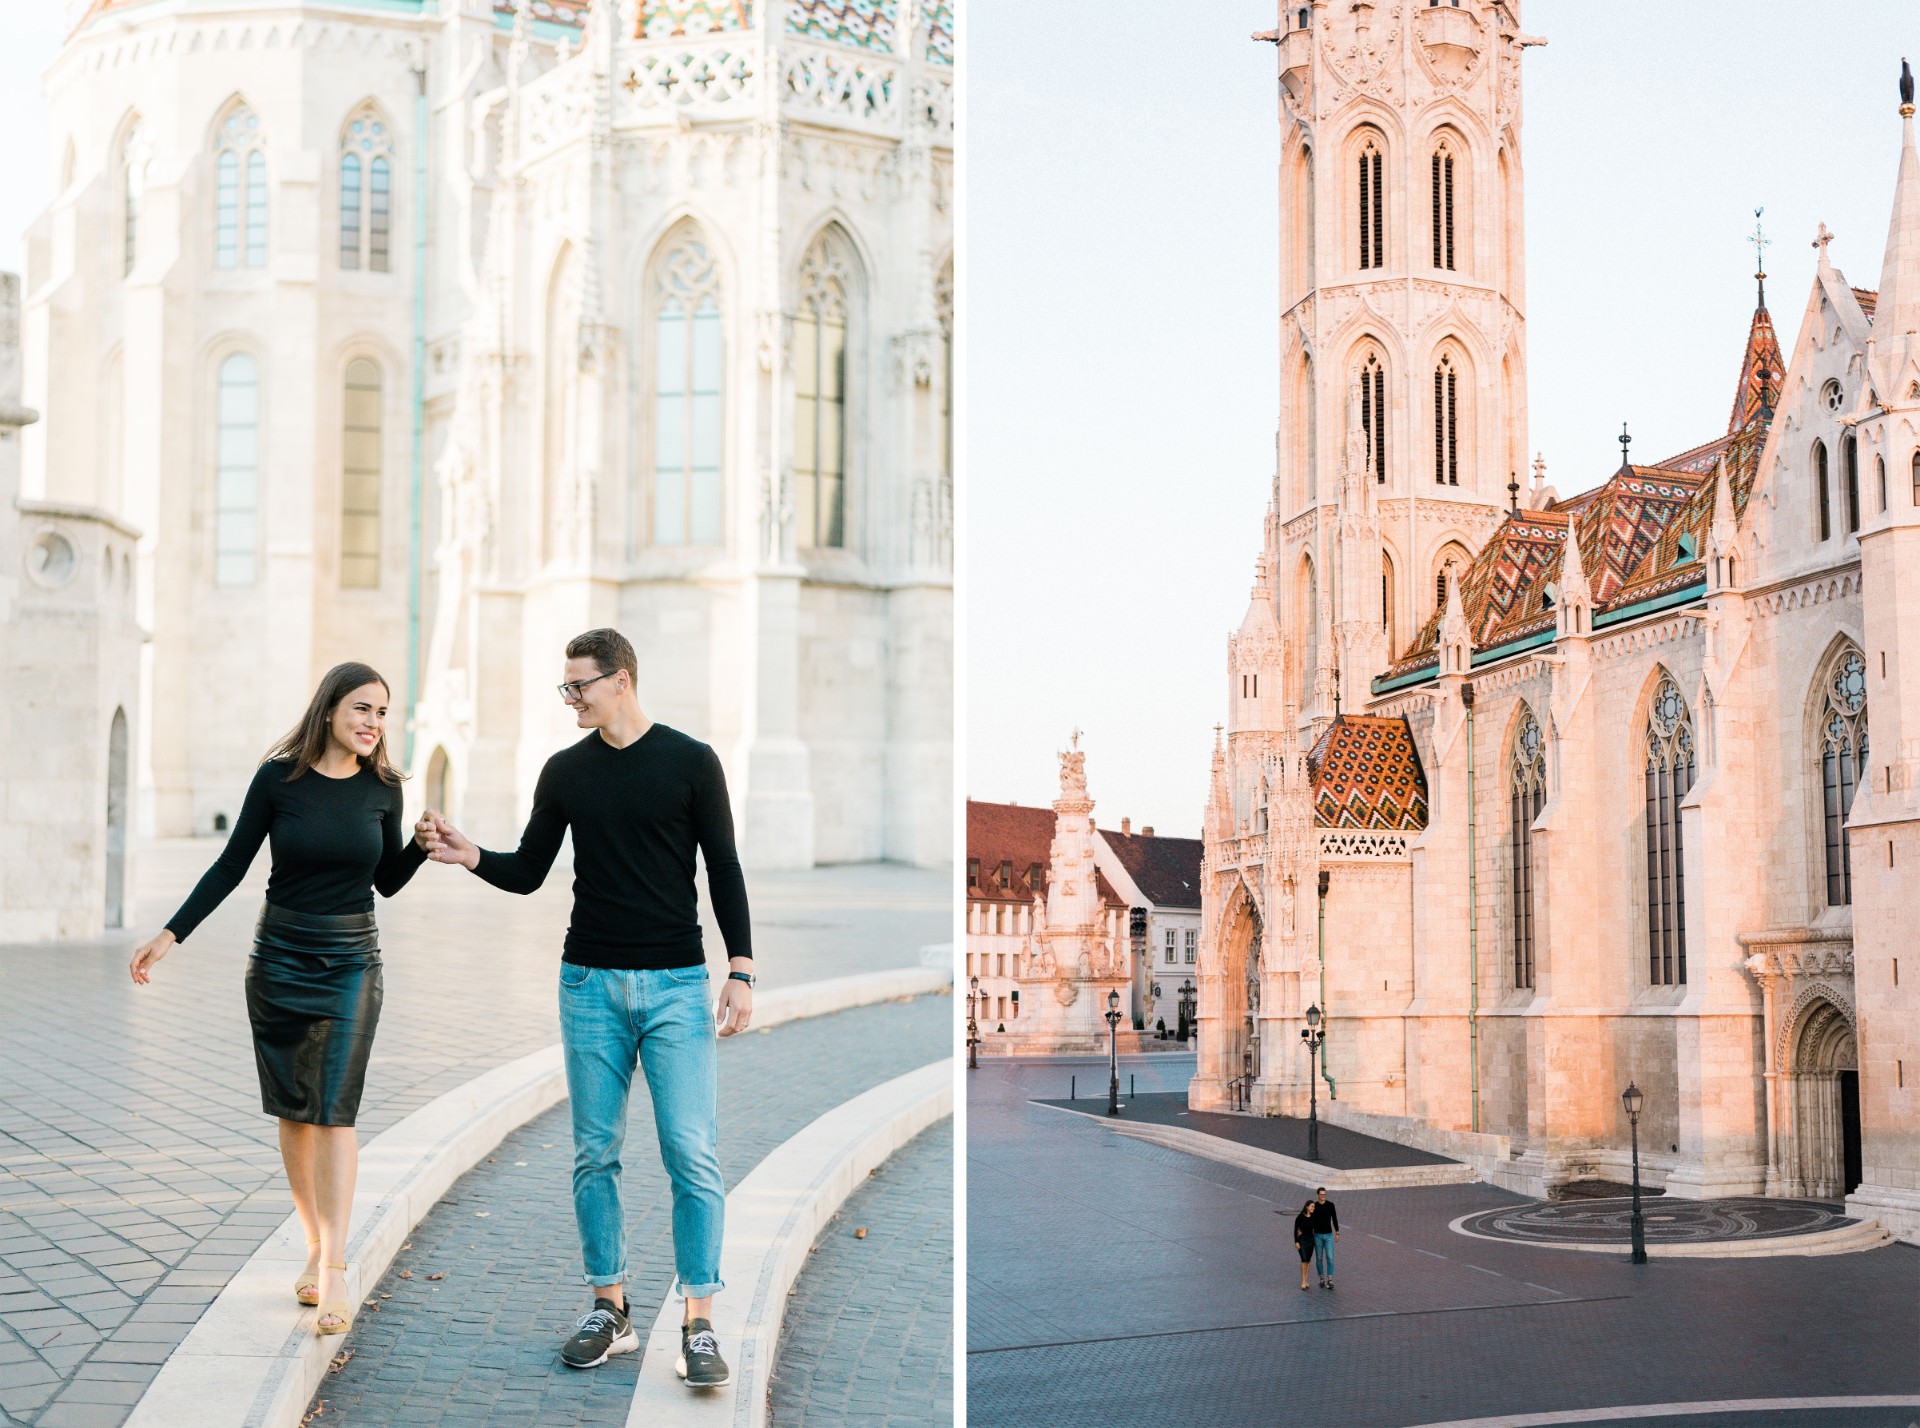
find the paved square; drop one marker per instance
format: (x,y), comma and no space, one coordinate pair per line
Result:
(1112,1280)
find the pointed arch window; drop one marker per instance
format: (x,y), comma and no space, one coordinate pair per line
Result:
(1443,206)
(366,192)
(1446,423)
(1843,759)
(689,366)
(1310,618)
(1527,795)
(360,476)
(1820,489)
(943,310)
(1373,202)
(1850,460)
(240,193)
(820,329)
(1669,774)
(1916,479)
(1386,600)
(236,471)
(133,192)
(1373,415)
(1880,478)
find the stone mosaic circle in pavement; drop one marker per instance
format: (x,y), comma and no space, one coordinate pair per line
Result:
(1670,1222)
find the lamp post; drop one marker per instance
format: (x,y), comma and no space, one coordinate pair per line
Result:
(1186,1009)
(1153,991)
(1113,1043)
(973,1026)
(1313,1036)
(1633,1100)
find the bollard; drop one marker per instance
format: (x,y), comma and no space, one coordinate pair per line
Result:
(1073,1088)
(1129,1085)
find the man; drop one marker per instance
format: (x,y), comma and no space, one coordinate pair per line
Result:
(1326,1230)
(640,798)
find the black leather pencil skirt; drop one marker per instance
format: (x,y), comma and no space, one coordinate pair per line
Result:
(313,996)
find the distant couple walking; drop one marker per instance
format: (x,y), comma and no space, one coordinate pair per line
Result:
(640,799)
(1315,1229)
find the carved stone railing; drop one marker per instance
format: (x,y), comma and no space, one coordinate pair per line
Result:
(1363,845)
(663,79)
(842,87)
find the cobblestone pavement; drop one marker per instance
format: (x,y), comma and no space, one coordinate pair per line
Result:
(1285,1135)
(481,1346)
(137,1172)
(868,1338)
(1111,1279)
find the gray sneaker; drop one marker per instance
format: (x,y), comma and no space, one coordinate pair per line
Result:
(603,1332)
(700,1362)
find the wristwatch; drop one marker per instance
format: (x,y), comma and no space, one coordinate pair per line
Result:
(746,977)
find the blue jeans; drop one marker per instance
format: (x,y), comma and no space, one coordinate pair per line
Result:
(608,1019)
(1323,1256)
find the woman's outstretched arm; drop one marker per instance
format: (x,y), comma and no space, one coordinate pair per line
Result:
(243,843)
(400,854)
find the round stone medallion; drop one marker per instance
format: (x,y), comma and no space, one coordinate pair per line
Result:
(1663,1221)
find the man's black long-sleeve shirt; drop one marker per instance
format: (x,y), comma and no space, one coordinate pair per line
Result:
(1326,1219)
(637,816)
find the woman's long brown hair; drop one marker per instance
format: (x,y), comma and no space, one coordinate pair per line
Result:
(306,742)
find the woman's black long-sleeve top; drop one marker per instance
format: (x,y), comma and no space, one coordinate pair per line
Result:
(1303,1231)
(336,841)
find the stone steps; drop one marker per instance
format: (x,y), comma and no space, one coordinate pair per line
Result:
(1290,1168)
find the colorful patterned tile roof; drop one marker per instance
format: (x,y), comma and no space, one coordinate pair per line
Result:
(936,20)
(866,24)
(1762,371)
(1366,774)
(661,18)
(1868,300)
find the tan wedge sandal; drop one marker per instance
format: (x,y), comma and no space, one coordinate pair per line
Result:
(306,1285)
(341,1311)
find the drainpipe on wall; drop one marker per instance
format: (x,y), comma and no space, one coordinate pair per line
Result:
(1473,927)
(1326,1018)
(418,482)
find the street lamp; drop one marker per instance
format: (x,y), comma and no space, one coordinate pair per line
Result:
(1633,1100)
(1153,991)
(1187,1019)
(1113,1042)
(973,1026)
(1313,1036)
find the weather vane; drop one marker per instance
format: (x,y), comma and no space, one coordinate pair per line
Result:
(1760,241)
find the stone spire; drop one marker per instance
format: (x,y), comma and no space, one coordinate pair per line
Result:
(1456,644)
(1574,612)
(1898,311)
(1721,573)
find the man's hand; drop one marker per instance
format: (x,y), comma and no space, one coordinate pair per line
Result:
(426,833)
(734,1011)
(453,845)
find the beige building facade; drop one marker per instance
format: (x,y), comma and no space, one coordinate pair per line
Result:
(1622,788)
(433,334)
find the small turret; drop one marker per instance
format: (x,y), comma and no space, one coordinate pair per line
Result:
(1456,643)
(1722,568)
(1573,615)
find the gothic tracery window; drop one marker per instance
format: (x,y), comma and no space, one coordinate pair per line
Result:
(1843,758)
(1446,423)
(236,470)
(1373,415)
(1443,205)
(1820,489)
(240,193)
(133,190)
(1669,774)
(366,192)
(688,410)
(1527,792)
(820,328)
(1372,213)
(360,475)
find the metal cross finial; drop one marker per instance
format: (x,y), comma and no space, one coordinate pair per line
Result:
(1513,492)
(1624,441)
(1820,241)
(1760,241)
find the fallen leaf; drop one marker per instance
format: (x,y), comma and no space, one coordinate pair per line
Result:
(436,1276)
(861,1233)
(406,1274)
(481,1214)
(489,1160)
(407,1246)
(339,1361)
(386,1296)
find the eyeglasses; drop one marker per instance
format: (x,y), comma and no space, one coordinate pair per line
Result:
(570,693)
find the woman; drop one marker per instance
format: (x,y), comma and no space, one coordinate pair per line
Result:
(329,801)
(1303,1239)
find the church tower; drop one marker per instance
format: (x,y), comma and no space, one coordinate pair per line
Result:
(1403,297)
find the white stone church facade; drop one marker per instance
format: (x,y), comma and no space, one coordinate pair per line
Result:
(1585,784)
(433,334)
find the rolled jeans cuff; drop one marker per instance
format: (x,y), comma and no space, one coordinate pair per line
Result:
(595,1281)
(699,1291)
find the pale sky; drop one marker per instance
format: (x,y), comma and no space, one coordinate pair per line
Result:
(1122,317)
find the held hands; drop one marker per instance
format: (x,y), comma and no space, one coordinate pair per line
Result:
(734,1010)
(147,955)
(444,843)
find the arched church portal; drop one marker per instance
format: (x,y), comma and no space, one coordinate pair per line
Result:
(1239,1034)
(1825,1086)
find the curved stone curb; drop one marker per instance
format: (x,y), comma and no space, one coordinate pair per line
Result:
(1281,1167)
(1679,1410)
(253,1361)
(773,1218)
(1847,1239)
